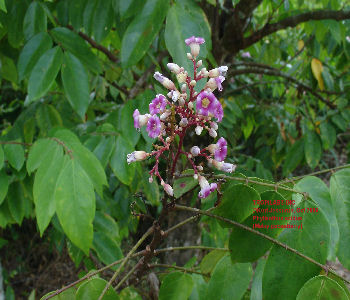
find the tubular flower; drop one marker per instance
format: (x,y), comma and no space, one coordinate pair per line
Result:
(153,126)
(136,156)
(180,111)
(221,149)
(157,105)
(194,43)
(205,103)
(206,188)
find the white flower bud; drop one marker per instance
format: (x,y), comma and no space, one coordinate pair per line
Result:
(199,63)
(212,133)
(212,148)
(199,130)
(195,150)
(199,168)
(181,101)
(195,176)
(150,180)
(190,105)
(194,49)
(165,115)
(168,139)
(183,122)
(189,56)
(181,77)
(193,83)
(167,188)
(183,88)
(174,68)
(136,156)
(214,125)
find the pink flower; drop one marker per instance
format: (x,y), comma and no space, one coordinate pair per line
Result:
(205,103)
(222,166)
(167,188)
(153,126)
(136,115)
(221,149)
(136,156)
(157,105)
(194,43)
(206,188)
(218,111)
(246,54)
(167,83)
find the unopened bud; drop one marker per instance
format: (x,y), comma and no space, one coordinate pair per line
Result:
(181,77)
(190,105)
(189,56)
(183,88)
(183,122)
(168,139)
(167,188)
(199,130)
(212,133)
(181,101)
(199,63)
(193,83)
(199,168)
(174,68)
(195,176)
(150,180)
(136,156)
(195,150)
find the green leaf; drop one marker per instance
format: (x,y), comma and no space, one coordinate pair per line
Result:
(247,247)
(340,122)
(151,190)
(183,21)
(319,193)
(256,289)
(2,157)
(103,19)
(66,295)
(237,203)
(86,159)
(142,31)
(313,150)
(129,8)
(176,286)
(15,14)
(15,155)
(126,123)
(285,272)
(92,289)
(88,16)
(44,73)
(328,135)
(229,281)
(106,248)
(3,6)
(106,224)
(323,287)
(340,194)
(76,9)
(76,45)
(18,201)
(74,253)
(75,204)
(124,172)
(45,184)
(104,149)
(76,83)
(209,261)
(8,69)
(47,117)
(294,157)
(129,293)
(39,152)
(34,20)
(183,185)
(4,185)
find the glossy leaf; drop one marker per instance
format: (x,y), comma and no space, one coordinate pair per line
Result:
(18,201)
(15,14)
(340,194)
(319,193)
(44,73)
(229,281)
(45,185)
(76,9)
(2,157)
(106,224)
(328,135)
(92,289)
(120,167)
(76,83)
(176,286)
(185,19)
(106,248)
(142,31)
(237,203)
(77,46)
(294,157)
(183,185)
(313,150)
(256,289)
(75,204)
(103,19)
(66,295)
(284,268)
(14,153)
(247,247)
(38,153)
(323,287)
(34,20)
(4,185)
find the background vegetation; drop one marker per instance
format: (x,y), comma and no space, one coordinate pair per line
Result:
(72,73)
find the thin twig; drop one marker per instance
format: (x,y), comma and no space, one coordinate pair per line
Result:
(274,241)
(15,143)
(179,268)
(131,252)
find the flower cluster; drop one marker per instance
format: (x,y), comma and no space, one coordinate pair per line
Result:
(182,110)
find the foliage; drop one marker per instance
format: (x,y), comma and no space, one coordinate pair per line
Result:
(73,72)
